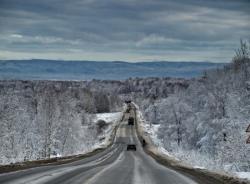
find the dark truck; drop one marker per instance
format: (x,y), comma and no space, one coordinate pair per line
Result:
(131,147)
(128,101)
(130,121)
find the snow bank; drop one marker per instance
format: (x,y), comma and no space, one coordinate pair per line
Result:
(108,117)
(112,120)
(243,175)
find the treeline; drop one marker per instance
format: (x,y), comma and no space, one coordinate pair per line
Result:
(140,89)
(205,123)
(40,119)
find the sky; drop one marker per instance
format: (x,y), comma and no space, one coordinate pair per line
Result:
(123,30)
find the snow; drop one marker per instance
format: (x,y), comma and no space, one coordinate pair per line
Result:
(56,156)
(191,158)
(203,124)
(166,152)
(152,130)
(243,175)
(108,117)
(198,167)
(46,119)
(111,119)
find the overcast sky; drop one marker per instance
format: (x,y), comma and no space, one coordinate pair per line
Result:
(127,30)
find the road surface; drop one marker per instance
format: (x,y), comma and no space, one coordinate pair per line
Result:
(115,165)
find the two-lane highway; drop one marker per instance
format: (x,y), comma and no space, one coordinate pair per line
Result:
(115,165)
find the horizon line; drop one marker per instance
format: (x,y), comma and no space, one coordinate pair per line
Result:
(113,61)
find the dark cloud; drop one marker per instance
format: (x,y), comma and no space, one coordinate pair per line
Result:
(123,30)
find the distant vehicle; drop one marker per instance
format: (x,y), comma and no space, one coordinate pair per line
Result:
(131,147)
(127,101)
(130,121)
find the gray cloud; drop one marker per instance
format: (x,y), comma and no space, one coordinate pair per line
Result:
(123,30)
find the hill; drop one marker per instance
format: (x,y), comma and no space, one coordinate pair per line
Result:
(86,70)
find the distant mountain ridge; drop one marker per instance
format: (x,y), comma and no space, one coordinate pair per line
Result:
(40,69)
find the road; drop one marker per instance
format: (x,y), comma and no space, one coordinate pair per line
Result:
(115,165)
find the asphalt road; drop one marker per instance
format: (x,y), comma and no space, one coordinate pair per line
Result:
(115,165)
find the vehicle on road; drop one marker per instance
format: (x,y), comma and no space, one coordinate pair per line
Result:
(131,147)
(127,101)
(130,121)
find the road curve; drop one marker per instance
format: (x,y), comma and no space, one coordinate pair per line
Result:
(115,165)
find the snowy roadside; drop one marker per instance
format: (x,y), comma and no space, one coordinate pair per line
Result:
(244,175)
(104,137)
(101,142)
(112,120)
(148,133)
(154,145)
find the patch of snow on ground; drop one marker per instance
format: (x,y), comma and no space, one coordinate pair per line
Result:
(198,167)
(108,117)
(244,175)
(111,119)
(56,156)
